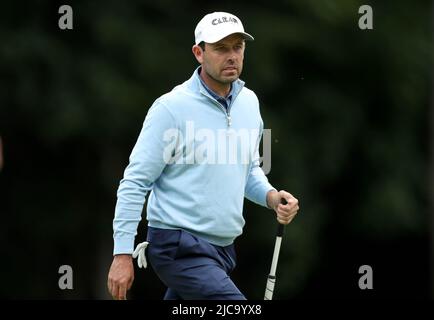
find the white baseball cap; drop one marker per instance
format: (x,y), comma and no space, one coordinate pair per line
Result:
(218,25)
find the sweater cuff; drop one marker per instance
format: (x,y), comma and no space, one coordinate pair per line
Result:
(124,245)
(266,193)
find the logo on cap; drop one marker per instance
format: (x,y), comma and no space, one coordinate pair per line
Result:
(223,20)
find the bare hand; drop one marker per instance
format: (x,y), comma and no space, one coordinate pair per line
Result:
(121,276)
(285,212)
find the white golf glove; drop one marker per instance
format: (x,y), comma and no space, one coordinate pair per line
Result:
(139,253)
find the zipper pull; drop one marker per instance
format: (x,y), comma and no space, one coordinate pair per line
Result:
(229,120)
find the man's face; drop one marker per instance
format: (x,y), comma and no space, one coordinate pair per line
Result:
(223,60)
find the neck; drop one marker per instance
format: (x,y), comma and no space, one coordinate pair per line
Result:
(222,89)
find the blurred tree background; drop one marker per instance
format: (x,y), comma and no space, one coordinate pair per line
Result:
(348,109)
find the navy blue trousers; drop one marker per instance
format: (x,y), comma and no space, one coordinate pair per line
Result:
(191,267)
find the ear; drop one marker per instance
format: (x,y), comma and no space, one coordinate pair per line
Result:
(198,53)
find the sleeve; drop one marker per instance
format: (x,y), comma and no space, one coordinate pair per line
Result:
(146,164)
(257,185)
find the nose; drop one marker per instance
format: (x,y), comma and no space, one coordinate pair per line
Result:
(232,57)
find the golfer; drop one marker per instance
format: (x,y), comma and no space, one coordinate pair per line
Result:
(197,156)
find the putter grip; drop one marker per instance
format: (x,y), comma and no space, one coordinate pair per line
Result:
(269,289)
(281,227)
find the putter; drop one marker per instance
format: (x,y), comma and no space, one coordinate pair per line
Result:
(271,280)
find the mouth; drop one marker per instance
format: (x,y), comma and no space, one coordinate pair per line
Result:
(232,68)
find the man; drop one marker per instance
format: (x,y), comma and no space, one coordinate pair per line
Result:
(195,205)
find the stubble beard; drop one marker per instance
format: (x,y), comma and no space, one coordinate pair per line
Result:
(222,80)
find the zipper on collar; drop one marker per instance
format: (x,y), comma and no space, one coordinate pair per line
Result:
(226,112)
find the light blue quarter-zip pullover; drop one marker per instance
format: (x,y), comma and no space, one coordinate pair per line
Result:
(197,160)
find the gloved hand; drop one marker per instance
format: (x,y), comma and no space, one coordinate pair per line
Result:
(139,253)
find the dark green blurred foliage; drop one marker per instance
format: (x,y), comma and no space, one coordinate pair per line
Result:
(347,109)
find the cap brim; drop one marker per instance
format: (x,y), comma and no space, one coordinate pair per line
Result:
(247,36)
